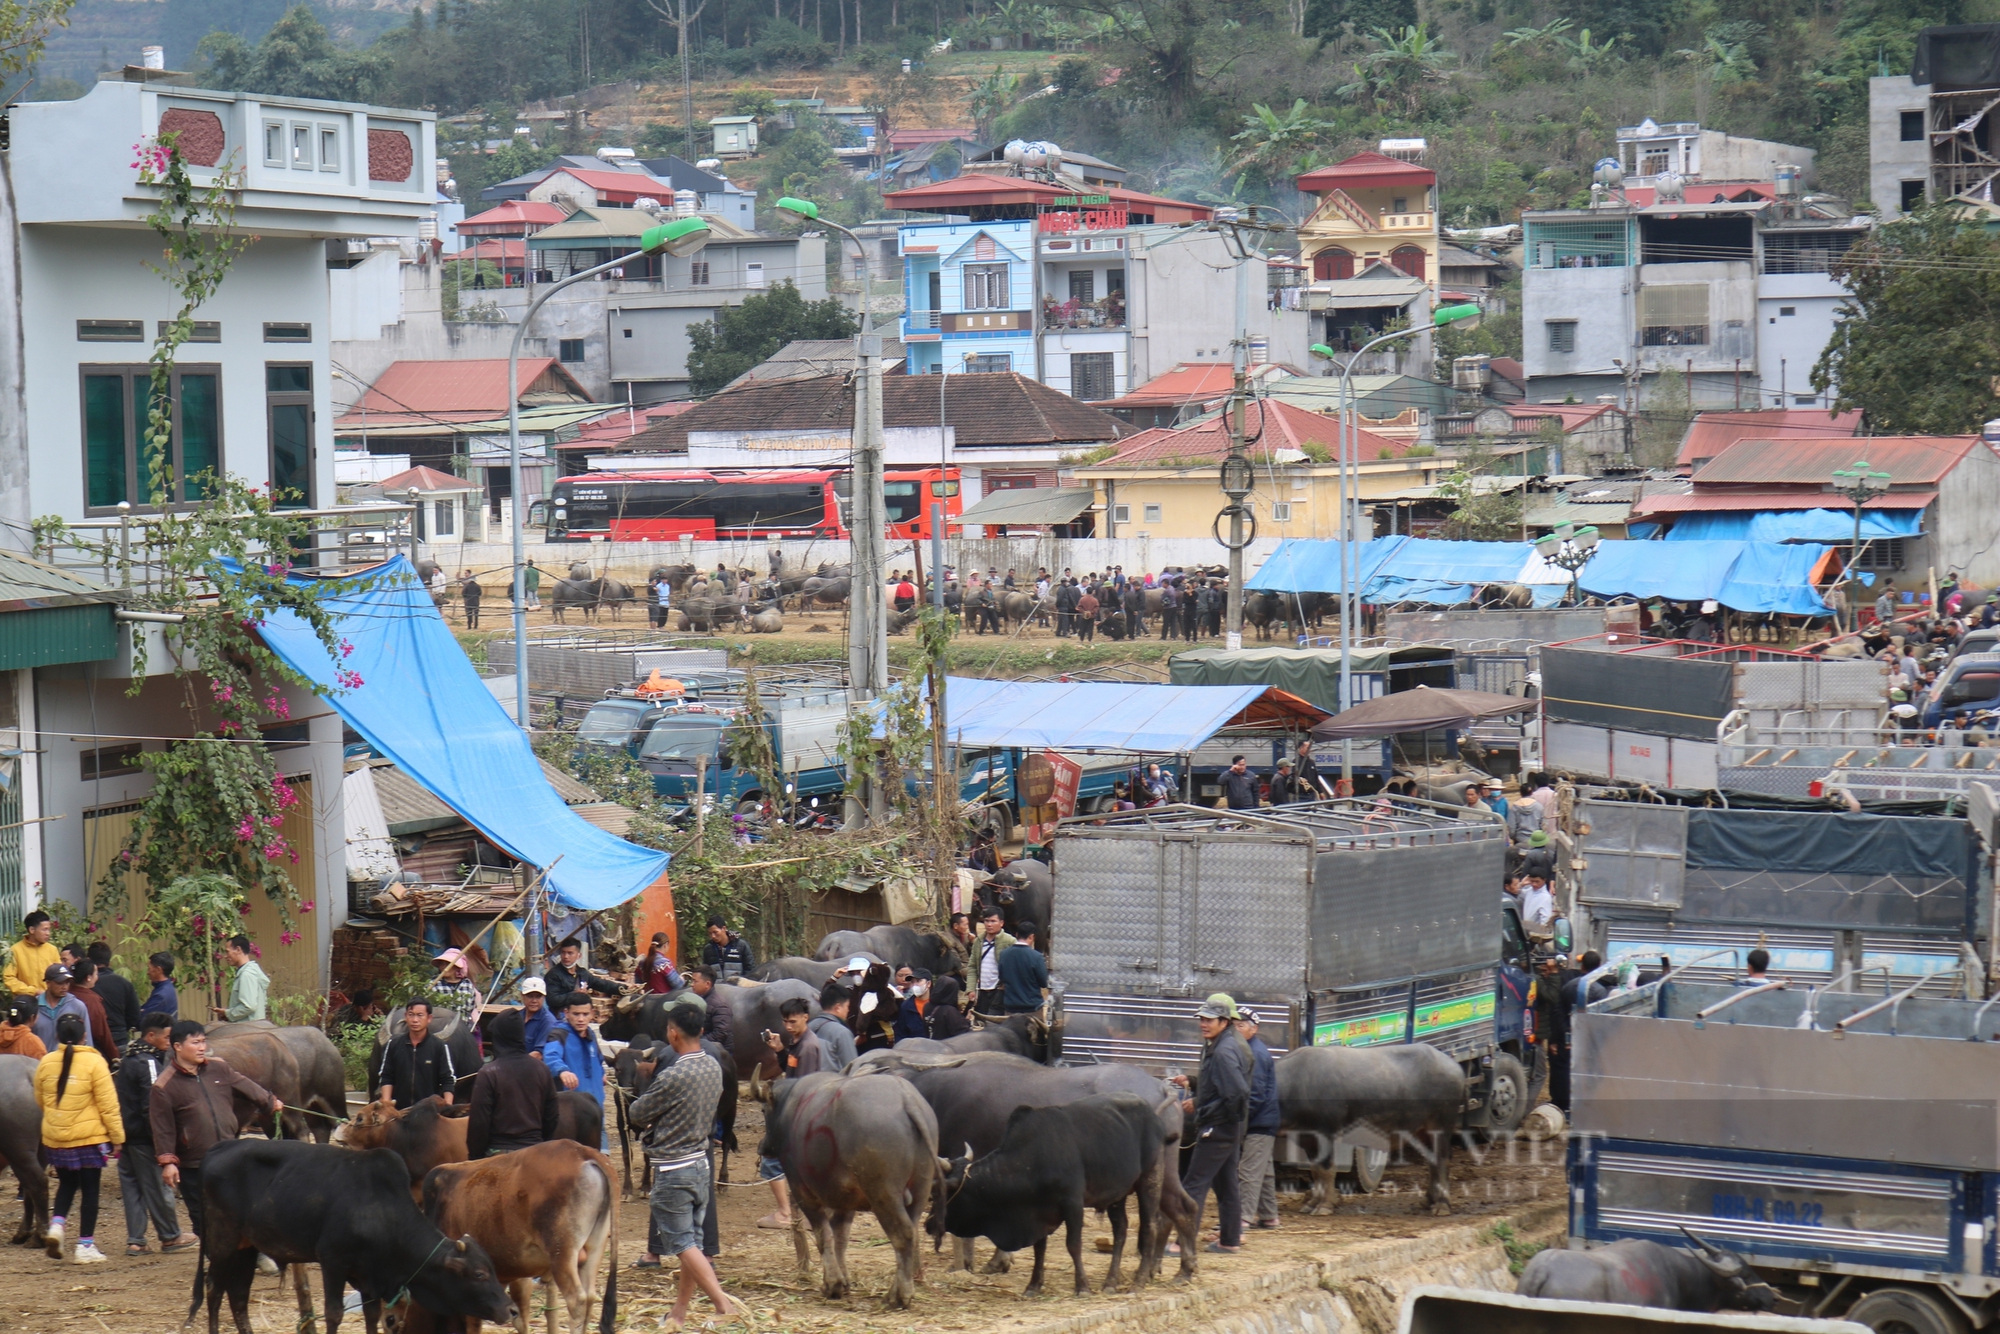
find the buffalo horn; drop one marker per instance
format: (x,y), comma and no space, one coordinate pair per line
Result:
(1705,1246)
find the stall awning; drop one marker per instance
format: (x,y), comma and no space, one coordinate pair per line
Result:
(1109,715)
(1822,525)
(1420,710)
(1031,505)
(421,704)
(1310,565)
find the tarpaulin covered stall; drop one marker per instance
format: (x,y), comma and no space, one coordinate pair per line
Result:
(1313,674)
(1420,710)
(1794,525)
(421,704)
(1107,715)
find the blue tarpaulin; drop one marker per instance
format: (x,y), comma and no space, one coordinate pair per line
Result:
(1743,576)
(1826,526)
(421,704)
(1304,565)
(1435,571)
(1090,715)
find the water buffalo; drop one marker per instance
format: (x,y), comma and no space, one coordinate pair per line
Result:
(753,1008)
(1413,1088)
(615,596)
(1052,1164)
(768,621)
(974,1094)
(365,1231)
(1645,1273)
(21,1145)
(322,1089)
(1024,890)
(1016,607)
(579,595)
(815,973)
(1025,1035)
(1504,595)
(897,946)
(634,1069)
(549,1212)
(258,1051)
(850,1143)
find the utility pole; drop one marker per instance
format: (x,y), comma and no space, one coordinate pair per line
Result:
(1237,475)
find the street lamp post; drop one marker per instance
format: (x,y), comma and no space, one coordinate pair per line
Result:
(683,236)
(1350,558)
(1569,549)
(1859,484)
(867,628)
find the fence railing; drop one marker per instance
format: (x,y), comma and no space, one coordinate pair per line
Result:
(126,553)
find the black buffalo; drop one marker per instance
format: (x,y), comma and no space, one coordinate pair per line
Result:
(815,973)
(350,1214)
(21,1145)
(1052,1164)
(897,946)
(1645,1273)
(1023,891)
(974,1094)
(1017,1035)
(634,1070)
(753,1008)
(1411,1089)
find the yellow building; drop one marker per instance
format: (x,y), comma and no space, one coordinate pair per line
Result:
(1373,209)
(1165,482)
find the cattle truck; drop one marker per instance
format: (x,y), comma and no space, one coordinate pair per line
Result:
(1843,1141)
(1355,922)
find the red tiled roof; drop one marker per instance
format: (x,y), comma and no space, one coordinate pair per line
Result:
(426,479)
(1364,170)
(1508,369)
(508,249)
(989,189)
(1910,460)
(1573,415)
(619,184)
(1712,432)
(1269,424)
(1705,192)
(1189,382)
(619,425)
(477,385)
(511,218)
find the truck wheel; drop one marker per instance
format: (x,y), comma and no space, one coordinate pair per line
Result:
(1369,1166)
(997,822)
(750,803)
(1906,1311)
(1507,1096)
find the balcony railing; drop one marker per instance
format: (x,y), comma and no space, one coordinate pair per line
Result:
(125,552)
(1104,313)
(923,320)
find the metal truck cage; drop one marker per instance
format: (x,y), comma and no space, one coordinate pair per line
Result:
(1841,1142)
(1358,920)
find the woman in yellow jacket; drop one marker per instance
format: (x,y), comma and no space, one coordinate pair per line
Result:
(80,1124)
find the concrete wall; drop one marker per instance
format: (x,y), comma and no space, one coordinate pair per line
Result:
(1732,307)
(1181,299)
(1599,300)
(1725,157)
(74,273)
(1892,159)
(84,707)
(1962,521)
(366,298)
(1796,313)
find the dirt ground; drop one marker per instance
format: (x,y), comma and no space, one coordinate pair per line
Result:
(148,1295)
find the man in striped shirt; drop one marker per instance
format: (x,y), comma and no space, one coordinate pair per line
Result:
(679,1107)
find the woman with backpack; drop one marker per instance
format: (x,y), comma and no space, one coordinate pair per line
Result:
(80,1126)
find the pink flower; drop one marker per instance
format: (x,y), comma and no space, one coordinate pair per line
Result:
(246,831)
(223,694)
(279,705)
(243,911)
(307,906)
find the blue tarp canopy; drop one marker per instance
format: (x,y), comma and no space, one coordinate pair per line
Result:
(1826,526)
(1744,576)
(422,705)
(1425,570)
(1304,565)
(1096,715)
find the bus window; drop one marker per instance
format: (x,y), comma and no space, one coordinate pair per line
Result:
(903,502)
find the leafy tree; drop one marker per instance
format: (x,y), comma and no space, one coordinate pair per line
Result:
(1276,146)
(296,58)
(1328,19)
(1918,346)
(1664,416)
(740,337)
(1479,513)
(1395,73)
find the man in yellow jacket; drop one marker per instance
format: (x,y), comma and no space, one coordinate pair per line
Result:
(32,955)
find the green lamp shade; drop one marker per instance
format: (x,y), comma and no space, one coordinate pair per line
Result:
(1453,314)
(1321,350)
(805,208)
(682,236)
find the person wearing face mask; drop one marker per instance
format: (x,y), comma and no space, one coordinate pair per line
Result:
(915,985)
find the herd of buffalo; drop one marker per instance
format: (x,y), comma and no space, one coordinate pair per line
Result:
(975,1136)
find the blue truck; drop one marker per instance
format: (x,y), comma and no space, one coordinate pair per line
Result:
(674,742)
(1843,1142)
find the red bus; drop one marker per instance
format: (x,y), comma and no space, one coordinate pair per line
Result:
(738,503)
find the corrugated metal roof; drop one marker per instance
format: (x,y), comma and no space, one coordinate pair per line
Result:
(410,808)
(1032,505)
(1366,169)
(1272,425)
(1910,460)
(475,384)
(1196,382)
(607,815)
(27,584)
(597,224)
(1712,432)
(1692,502)
(1550,513)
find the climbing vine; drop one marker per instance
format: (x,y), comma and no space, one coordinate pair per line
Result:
(214,562)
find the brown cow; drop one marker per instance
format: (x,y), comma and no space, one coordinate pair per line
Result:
(549,1211)
(266,1058)
(430,1134)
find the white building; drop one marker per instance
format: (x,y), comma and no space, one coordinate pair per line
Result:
(251,398)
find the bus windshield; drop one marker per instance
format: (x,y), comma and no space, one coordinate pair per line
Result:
(681,739)
(903,501)
(609,724)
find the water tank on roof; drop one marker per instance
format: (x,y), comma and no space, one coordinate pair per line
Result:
(709,164)
(686,203)
(615,155)
(1036,154)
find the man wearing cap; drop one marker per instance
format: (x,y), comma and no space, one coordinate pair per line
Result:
(1538,855)
(1257,1175)
(418,1067)
(1284,786)
(1220,1108)
(454,990)
(537,1019)
(55,1002)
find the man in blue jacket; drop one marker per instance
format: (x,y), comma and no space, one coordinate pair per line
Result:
(1257,1179)
(1024,973)
(572,1057)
